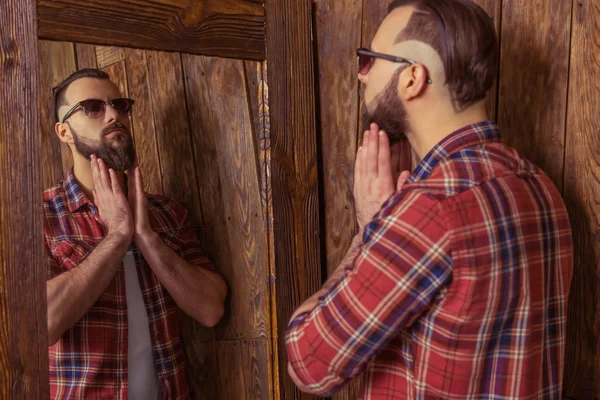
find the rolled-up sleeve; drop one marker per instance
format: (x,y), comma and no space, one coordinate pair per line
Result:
(403,263)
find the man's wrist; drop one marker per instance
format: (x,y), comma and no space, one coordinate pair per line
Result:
(146,239)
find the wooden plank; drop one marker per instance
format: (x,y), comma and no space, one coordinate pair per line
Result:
(57,62)
(86,55)
(108,55)
(339,111)
(293,163)
(219,101)
(582,191)
(202,366)
(143,120)
(175,157)
(233,384)
(227,28)
(534,70)
(172,131)
(23,330)
(118,75)
(215,239)
(256,78)
(254,359)
(374,12)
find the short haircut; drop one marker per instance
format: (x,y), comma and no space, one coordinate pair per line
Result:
(61,90)
(465,38)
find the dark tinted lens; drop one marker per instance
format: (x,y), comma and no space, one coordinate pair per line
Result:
(364,63)
(93,108)
(122,106)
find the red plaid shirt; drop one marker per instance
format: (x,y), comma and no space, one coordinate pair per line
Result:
(460,288)
(90,359)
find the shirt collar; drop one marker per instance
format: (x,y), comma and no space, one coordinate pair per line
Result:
(75,196)
(471,135)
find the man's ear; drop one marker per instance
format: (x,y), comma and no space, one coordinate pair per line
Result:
(63,132)
(412,82)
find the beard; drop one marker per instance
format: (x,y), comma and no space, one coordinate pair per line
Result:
(117,153)
(390,114)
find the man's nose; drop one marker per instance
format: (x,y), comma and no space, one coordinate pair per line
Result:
(110,114)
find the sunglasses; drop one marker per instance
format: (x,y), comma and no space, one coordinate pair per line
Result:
(95,108)
(366,59)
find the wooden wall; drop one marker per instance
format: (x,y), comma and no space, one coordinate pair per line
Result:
(201,130)
(547,103)
(23,314)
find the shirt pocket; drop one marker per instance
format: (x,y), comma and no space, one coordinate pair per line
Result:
(70,253)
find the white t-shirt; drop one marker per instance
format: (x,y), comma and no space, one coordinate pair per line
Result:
(143,378)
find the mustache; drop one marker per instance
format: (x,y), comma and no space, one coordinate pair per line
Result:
(115,126)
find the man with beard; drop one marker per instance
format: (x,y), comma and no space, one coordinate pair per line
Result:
(456,286)
(120,262)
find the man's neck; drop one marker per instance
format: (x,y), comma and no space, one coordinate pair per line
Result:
(82,170)
(432,128)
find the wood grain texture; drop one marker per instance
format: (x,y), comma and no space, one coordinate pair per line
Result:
(219,102)
(142,117)
(339,111)
(57,62)
(338,104)
(227,28)
(293,163)
(23,330)
(172,131)
(238,166)
(214,233)
(118,75)
(582,196)
(108,55)
(86,55)
(258,93)
(202,365)
(374,12)
(232,381)
(254,358)
(534,71)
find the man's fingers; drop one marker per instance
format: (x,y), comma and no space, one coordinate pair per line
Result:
(104,175)
(404,175)
(95,172)
(384,166)
(139,185)
(374,128)
(357,166)
(372,154)
(131,187)
(363,156)
(116,187)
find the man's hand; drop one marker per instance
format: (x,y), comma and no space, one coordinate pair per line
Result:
(139,205)
(373,175)
(110,200)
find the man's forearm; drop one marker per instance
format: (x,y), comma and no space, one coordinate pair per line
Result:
(198,292)
(311,302)
(71,294)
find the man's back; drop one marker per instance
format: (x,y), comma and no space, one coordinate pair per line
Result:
(498,327)
(459,290)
